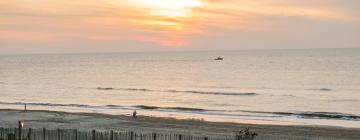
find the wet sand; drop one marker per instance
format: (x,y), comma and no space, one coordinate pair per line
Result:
(88,121)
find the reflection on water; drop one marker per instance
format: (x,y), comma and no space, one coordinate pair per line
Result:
(281,87)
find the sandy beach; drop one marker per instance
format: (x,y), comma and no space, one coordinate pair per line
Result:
(88,121)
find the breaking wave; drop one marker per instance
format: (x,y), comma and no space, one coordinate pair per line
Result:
(182,91)
(46,104)
(170,108)
(314,115)
(304,115)
(105,106)
(322,89)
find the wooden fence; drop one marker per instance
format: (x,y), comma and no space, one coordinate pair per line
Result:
(71,134)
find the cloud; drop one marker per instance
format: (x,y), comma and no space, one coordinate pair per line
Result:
(26,36)
(164,24)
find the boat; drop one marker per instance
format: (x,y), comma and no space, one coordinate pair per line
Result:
(219,58)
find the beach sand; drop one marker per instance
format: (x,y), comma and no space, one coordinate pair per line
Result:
(88,121)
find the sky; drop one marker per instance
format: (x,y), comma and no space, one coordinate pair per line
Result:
(63,26)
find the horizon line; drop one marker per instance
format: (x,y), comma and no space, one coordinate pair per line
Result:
(168,51)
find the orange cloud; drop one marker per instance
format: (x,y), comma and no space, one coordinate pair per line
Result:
(26,36)
(167,23)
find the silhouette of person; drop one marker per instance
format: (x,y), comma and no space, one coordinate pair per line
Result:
(134,114)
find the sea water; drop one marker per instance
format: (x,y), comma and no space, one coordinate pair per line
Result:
(301,87)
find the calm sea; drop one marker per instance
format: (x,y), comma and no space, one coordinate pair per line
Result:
(301,87)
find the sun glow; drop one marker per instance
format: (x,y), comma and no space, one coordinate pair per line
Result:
(168,23)
(166,9)
(175,8)
(173,17)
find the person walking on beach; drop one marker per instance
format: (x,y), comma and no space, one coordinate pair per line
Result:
(134,114)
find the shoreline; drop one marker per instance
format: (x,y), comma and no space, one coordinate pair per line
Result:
(300,118)
(87,121)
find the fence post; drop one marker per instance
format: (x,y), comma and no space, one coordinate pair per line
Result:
(15,134)
(154,135)
(58,134)
(20,125)
(131,135)
(111,135)
(93,134)
(76,134)
(180,137)
(44,133)
(2,133)
(206,138)
(29,133)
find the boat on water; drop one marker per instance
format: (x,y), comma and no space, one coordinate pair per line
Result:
(219,58)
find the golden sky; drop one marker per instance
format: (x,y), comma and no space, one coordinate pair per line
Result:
(30,26)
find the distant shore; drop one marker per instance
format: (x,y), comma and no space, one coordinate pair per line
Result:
(88,121)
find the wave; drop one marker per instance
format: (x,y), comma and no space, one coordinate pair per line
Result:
(321,89)
(170,108)
(139,89)
(305,115)
(222,93)
(182,91)
(147,107)
(47,104)
(314,115)
(128,89)
(325,89)
(105,106)
(105,88)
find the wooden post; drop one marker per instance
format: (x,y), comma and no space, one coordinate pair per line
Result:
(93,134)
(154,135)
(111,135)
(29,134)
(44,133)
(180,137)
(25,108)
(131,135)
(59,134)
(206,138)
(2,133)
(20,126)
(76,134)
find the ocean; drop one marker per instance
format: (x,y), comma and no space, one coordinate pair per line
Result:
(282,87)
